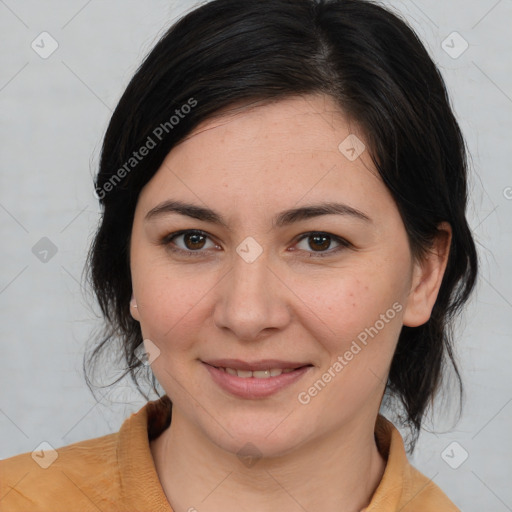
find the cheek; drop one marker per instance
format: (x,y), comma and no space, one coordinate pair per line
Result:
(364,314)
(170,302)
(360,321)
(345,307)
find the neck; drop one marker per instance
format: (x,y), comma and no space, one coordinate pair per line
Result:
(338,472)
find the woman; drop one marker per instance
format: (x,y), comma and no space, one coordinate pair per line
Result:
(284,241)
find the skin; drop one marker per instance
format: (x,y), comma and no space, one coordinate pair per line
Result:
(288,304)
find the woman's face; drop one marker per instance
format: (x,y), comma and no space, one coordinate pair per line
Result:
(270,278)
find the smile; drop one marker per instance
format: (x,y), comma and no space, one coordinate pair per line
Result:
(255,380)
(258,374)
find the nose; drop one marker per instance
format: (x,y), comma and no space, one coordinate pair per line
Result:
(252,300)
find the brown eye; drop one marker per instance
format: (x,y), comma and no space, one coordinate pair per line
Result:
(194,241)
(188,242)
(318,244)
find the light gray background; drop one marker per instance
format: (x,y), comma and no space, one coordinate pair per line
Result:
(54,114)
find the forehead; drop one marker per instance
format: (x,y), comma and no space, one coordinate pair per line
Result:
(271,136)
(270,154)
(317,120)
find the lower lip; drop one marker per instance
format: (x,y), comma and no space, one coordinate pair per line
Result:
(252,387)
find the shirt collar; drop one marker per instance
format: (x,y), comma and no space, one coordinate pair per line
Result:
(140,485)
(387,497)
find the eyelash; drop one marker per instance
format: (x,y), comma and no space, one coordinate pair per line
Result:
(168,241)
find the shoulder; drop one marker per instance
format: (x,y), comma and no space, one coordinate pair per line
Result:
(109,473)
(73,477)
(421,494)
(402,486)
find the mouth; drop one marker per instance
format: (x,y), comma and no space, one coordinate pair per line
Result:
(256,379)
(257,374)
(262,369)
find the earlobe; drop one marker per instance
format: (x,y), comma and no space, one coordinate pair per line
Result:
(427,278)
(134,311)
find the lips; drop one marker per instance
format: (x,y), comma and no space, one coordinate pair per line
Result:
(257,374)
(256,379)
(263,369)
(262,364)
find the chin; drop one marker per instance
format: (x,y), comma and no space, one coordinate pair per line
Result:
(266,439)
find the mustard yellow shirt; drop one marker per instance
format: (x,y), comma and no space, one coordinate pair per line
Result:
(116,473)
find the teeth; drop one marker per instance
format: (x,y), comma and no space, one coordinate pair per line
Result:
(261,374)
(258,374)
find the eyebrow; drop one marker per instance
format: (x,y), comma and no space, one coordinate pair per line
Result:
(284,218)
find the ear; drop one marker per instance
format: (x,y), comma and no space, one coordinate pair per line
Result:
(133,309)
(427,277)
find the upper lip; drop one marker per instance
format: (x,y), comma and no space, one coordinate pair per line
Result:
(262,364)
